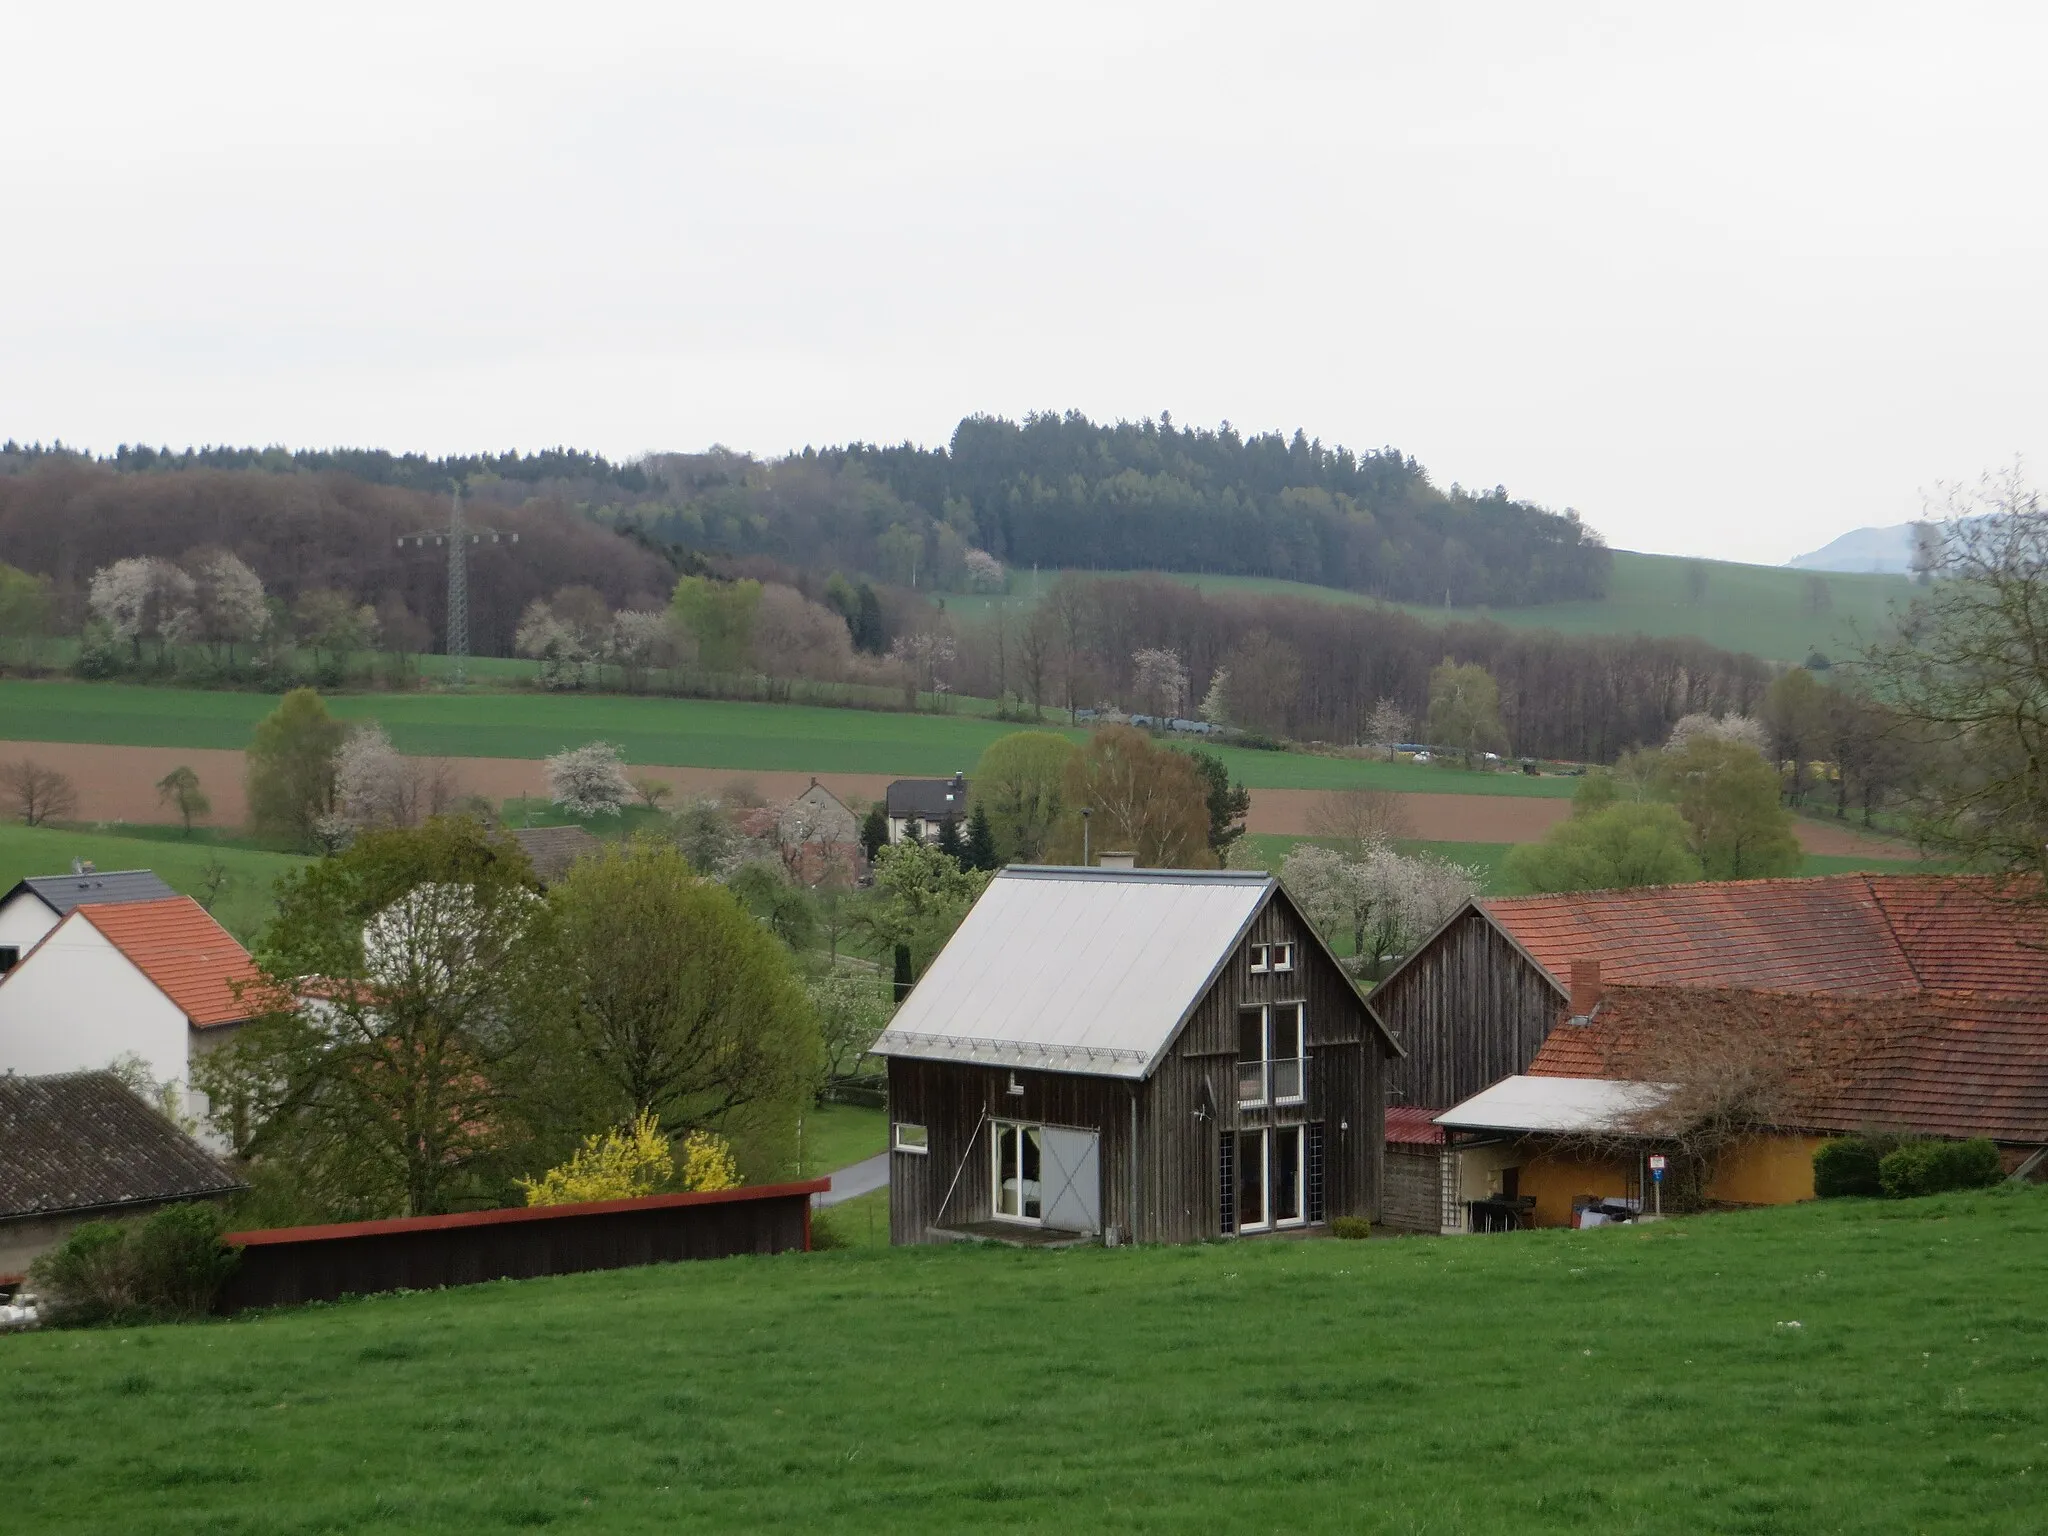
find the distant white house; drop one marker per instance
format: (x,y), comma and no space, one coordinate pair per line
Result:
(36,905)
(920,807)
(160,981)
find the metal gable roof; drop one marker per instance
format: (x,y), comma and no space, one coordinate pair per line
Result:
(1076,970)
(61,893)
(1564,1105)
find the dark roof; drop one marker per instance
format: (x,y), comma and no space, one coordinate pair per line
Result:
(1933,1063)
(82,1142)
(1847,935)
(552,850)
(927,799)
(60,893)
(1410,1125)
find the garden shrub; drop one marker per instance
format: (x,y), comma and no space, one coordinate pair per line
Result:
(1930,1167)
(1848,1165)
(165,1266)
(1351,1227)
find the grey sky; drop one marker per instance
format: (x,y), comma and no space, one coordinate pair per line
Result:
(1729,280)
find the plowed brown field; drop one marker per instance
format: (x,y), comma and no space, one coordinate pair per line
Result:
(119,784)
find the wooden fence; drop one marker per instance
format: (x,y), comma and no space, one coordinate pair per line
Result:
(298,1264)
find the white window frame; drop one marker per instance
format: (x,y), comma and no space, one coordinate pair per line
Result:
(999,1129)
(1260,957)
(1264,1143)
(1283,957)
(1248,1141)
(905,1128)
(1267,1059)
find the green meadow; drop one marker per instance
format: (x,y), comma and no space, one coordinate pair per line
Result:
(1847,1367)
(242,905)
(1768,610)
(697,733)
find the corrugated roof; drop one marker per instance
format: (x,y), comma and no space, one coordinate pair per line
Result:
(81,1141)
(1939,1064)
(61,893)
(194,961)
(1560,1105)
(1076,970)
(1410,1125)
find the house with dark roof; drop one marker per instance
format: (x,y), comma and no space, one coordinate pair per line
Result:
(158,981)
(920,807)
(81,1147)
(1149,1055)
(554,850)
(36,905)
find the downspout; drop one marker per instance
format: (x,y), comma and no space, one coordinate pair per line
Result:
(1133,1223)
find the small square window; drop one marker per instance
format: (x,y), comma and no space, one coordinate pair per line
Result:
(1283,957)
(1261,957)
(912,1138)
(10,957)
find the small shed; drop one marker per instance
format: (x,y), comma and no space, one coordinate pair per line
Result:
(1137,1054)
(78,1147)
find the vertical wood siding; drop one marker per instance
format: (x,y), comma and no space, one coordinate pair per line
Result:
(1178,1191)
(1469,1010)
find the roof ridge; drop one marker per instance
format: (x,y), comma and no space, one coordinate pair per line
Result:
(1891,928)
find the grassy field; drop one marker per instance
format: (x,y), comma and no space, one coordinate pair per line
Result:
(837,1135)
(1764,609)
(698,733)
(242,908)
(1843,1368)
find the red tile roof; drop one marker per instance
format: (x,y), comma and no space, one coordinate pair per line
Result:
(193,961)
(1939,1064)
(1848,935)
(1409,1125)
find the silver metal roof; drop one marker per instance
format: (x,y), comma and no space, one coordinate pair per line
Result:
(1076,970)
(1567,1105)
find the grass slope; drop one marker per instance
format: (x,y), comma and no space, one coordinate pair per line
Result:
(699,733)
(1758,608)
(243,907)
(1641,1380)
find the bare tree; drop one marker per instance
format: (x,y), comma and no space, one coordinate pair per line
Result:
(1359,819)
(36,793)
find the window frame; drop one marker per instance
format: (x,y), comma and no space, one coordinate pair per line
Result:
(898,1143)
(1016,1128)
(1254,1141)
(1282,956)
(1267,1060)
(1259,957)
(1235,1153)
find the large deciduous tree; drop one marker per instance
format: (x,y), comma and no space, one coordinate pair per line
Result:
(1145,798)
(1615,847)
(1728,796)
(1464,709)
(291,768)
(1021,783)
(1380,901)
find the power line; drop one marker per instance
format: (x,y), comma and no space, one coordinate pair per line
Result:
(458,537)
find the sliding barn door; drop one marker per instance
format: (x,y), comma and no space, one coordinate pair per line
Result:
(1073,1180)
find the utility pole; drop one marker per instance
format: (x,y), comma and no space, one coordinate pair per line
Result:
(458,538)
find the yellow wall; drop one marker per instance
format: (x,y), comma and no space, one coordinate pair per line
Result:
(1555,1177)
(1772,1170)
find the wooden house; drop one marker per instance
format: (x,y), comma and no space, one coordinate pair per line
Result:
(1144,1055)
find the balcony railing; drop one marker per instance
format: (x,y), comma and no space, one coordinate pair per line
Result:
(1269,1082)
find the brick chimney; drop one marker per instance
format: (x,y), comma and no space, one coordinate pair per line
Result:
(1585,988)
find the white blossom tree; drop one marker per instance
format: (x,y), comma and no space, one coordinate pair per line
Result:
(590,780)
(638,642)
(1745,729)
(1159,680)
(1382,901)
(921,655)
(1216,702)
(984,571)
(227,607)
(139,599)
(1386,725)
(553,642)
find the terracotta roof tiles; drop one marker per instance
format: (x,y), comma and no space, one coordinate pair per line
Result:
(193,961)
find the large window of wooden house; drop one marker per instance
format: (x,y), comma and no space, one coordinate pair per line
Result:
(1018,1169)
(1269,1054)
(1264,1179)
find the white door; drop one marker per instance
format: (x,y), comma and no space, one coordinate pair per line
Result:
(1072,1179)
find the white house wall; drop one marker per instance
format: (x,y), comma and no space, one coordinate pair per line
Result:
(24,919)
(78,1003)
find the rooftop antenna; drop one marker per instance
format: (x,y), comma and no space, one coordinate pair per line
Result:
(458,538)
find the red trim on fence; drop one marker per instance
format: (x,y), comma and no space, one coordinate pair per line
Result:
(519,1213)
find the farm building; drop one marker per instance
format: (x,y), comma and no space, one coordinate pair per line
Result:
(158,981)
(36,905)
(81,1147)
(917,808)
(1148,1055)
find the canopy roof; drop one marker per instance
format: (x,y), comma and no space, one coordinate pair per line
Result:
(1562,1105)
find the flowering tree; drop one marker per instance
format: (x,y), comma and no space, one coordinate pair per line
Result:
(623,1163)
(1745,729)
(139,600)
(227,607)
(589,780)
(920,656)
(553,642)
(639,641)
(1216,702)
(984,571)
(1382,901)
(1159,680)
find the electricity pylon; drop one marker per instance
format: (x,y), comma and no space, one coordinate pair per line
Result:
(458,538)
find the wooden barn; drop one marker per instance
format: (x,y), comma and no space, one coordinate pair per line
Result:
(1136,1056)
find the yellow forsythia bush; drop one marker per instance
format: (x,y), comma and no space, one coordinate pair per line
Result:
(707,1162)
(620,1164)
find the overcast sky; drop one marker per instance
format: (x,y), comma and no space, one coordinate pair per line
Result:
(1730,280)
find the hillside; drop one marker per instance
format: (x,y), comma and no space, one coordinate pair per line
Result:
(1769,611)
(1846,1368)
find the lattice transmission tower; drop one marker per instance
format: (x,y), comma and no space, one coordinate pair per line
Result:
(458,537)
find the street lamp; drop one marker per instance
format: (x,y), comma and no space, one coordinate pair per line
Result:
(1085,814)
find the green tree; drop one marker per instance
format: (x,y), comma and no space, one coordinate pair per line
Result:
(1021,783)
(981,842)
(1464,709)
(388,1084)
(720,616)
(870,631)
(920,896)
(874,830)
(1796,711)
(1596,791)
(180,788)
(1148,799)
(1228,803)
(685,1007)
(1615,847)
(949,842)
(1729,798)
(765,889)
(291,768)
(26,608)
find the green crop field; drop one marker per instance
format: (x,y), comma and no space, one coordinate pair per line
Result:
(1848,1367)
(1765,609)
(698,733)
(243,906)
